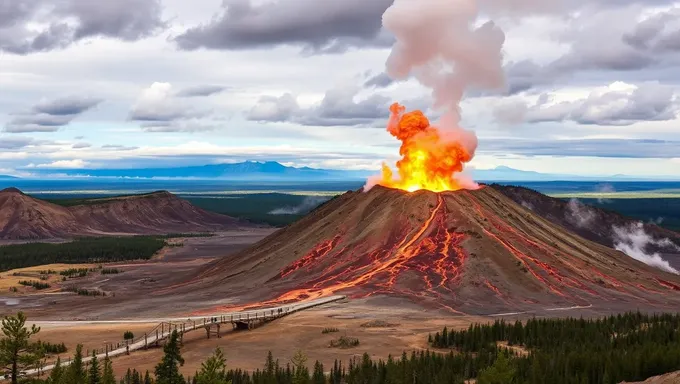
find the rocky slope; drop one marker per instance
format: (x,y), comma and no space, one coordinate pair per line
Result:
(25,218)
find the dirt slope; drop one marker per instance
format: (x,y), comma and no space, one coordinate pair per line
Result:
(25,218)
(470,251)
(599,223)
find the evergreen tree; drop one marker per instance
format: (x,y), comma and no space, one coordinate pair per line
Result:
(213,370)
(107,375)
(147,378)
(17,353)
(167,371)
(318,377)
(501,372)
(56,373)
(76,371)
(300,373)
(94,373)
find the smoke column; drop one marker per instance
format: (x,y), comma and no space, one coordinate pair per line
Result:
(442,44)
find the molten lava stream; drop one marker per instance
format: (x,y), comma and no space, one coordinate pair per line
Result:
(411,253)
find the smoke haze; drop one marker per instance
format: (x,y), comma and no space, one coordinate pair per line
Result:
(633,241)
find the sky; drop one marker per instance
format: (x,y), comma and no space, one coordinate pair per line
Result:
(591,87)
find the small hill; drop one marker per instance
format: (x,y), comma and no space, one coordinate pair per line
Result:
(25,218)
(477,252)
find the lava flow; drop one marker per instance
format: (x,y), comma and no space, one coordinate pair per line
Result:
(432,158)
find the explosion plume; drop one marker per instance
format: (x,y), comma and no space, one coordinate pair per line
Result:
(439,43)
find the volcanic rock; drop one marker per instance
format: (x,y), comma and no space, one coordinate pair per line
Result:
(465,251)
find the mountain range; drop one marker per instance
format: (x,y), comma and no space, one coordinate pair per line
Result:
(274,171)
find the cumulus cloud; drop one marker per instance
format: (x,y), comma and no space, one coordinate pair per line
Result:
(339,107)
(160,110)
(579,214)
(634,241)
(51,115)
(307,204)
(28,26)
(317,26)
(618,104)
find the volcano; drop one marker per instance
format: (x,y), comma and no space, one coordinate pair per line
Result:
(465,251)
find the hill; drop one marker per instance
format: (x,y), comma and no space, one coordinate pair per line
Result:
(25,218)
(469,251)
(602,226)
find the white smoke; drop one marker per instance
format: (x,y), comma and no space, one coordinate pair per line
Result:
(634,241)
(579,214)
(604,189)
(308,203)
(527,205)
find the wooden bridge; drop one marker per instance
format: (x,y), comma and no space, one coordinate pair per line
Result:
(212,325)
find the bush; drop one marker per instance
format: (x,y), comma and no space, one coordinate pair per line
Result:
(53,349)
(344,342)
(110,271)
(330,330)
(128,335)
(85,292)
(35,284)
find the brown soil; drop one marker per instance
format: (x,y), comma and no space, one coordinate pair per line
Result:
(25,218)
(671,378)
(301,331)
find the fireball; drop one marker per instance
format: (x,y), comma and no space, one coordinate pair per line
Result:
(432,158)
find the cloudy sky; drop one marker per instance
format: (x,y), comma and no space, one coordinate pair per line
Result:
(592,86)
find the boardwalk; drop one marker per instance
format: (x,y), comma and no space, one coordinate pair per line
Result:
(242,320)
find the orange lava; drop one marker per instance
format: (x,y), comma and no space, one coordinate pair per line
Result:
(430,157)
(430,254)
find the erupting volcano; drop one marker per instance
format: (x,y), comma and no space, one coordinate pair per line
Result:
(432,158)
(471,251)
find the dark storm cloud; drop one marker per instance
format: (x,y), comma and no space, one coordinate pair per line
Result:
(317,26)
(338,108)
(69,21)
(51,115)
(201,91)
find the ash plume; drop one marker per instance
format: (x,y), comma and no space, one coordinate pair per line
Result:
(579,214)
(443,45)
(309,203)
(634,241)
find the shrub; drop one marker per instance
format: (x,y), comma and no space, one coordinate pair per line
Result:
(330,330)
(110,271)
(128,335)
(344,342)
(35,284)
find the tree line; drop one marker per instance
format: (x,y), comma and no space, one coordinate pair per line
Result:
(84,250)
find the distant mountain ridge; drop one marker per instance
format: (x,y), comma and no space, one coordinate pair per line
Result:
(7,177)
(274,171)
(249,170)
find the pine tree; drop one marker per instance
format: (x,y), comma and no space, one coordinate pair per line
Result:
(213,370)
(318,377)
(17,353)
(56,373)
(501,372)
(147,378)
(167,371)
(94,373)
(76,371)
(107,376)
(300,373)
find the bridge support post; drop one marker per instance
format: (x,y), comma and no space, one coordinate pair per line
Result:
(145,343)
